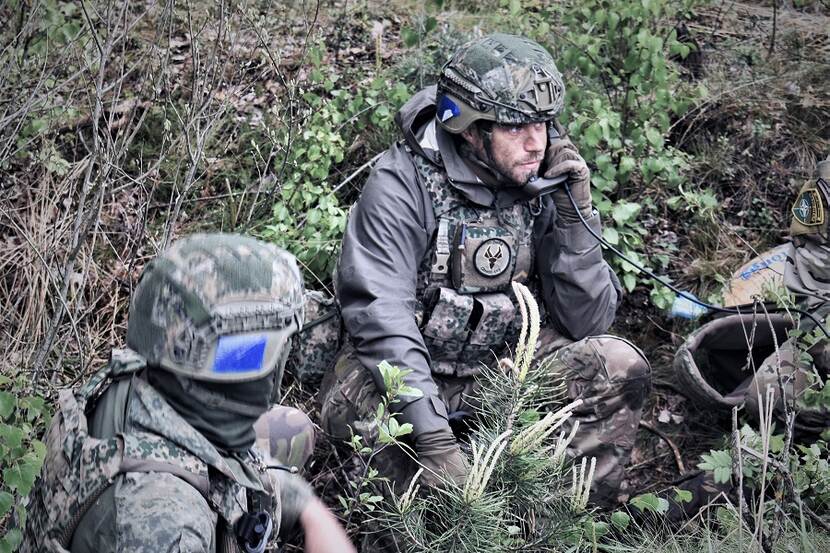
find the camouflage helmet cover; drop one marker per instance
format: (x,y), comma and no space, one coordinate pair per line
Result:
(502,78)
(217,307)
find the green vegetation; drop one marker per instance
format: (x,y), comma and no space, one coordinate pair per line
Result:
(124,125)
(23,417)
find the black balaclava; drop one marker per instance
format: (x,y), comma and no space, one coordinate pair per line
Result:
(222,412)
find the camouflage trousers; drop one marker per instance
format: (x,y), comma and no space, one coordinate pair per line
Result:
(789,380)
(609,374)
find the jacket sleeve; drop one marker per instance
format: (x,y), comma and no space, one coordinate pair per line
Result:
(580,290)
(383,245)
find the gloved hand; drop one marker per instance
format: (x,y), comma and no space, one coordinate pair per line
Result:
(295,495)
(562,157)
(439,454)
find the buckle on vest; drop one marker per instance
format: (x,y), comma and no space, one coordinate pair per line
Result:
(442,247)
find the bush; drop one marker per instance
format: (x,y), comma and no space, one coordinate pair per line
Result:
(23,416)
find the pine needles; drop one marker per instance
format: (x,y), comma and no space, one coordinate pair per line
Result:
(521,493)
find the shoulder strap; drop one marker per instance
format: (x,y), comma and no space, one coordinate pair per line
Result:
(123,362)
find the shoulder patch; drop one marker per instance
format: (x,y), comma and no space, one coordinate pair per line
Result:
(808,208)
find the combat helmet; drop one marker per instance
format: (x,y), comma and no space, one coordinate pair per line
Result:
(217,308)
(502,78)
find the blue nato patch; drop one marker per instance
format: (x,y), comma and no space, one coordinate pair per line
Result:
(447,109)
(239,354)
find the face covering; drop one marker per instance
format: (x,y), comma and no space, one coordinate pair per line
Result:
(222,412)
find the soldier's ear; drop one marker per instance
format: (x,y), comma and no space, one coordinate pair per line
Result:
(471,135)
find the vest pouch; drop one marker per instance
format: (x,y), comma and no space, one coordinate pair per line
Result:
(496,315)
(483,258)
(445,331)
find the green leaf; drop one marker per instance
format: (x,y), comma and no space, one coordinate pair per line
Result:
(21,477)
(11,541)
(611,235)
(430,24)
(627,164)
(776,443)
(12,436)
(7,402)
(620,519)
(654,138)
(650,502)
(629,281)
(409,37)
(6,502)
(515,7)
(624,212)
(682,496)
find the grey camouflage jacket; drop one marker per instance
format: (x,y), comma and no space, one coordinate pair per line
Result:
(390,230)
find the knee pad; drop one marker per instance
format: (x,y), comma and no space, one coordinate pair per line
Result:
(285,436)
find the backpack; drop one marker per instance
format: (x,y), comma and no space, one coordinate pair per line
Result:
(78,468)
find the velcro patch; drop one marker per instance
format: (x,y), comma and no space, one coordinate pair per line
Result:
(447,109)
(808,208)
(239,354)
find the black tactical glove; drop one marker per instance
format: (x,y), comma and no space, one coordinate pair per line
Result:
(562,157)
(439,454)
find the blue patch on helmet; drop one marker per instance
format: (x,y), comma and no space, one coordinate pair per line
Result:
(239,354)
(447,109)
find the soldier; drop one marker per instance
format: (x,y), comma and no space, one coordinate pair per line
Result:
(447,219)
(156,452)
(726,380)
(807,276)
(736,360)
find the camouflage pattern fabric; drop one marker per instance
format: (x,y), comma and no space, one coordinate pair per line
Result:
(285,436)
(206,286)
(608,373)
(789,376)
(315,346)
(612,377)
(448,293)
(502,78)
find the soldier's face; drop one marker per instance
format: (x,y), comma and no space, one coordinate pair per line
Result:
(515,151)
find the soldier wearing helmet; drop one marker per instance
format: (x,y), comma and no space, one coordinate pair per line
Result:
(175,444)
(448,219)
(712,363)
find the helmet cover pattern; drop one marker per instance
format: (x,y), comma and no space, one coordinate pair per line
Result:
(502,78)
(217,307)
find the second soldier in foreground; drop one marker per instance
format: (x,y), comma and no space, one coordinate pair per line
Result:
(156,452)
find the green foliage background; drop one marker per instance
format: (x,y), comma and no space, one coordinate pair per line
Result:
(124,125)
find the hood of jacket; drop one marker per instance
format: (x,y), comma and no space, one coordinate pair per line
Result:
(416,120)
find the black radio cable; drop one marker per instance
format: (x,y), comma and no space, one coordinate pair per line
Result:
(673,288)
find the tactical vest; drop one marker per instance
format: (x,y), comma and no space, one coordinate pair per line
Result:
(465,305)
(79,468)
